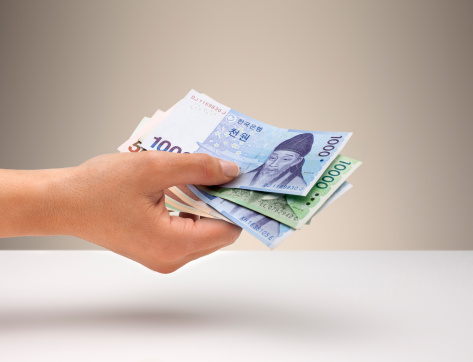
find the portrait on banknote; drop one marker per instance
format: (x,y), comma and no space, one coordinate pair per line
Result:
(284,164)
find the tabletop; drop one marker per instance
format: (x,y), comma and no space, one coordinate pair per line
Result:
(238,306)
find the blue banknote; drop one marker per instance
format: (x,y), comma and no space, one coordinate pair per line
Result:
(271,159)
(269,231)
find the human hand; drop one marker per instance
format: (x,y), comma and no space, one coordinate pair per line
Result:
(117,201)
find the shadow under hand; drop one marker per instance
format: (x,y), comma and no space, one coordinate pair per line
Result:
(333,322)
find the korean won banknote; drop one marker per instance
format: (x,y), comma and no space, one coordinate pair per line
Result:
(270,158)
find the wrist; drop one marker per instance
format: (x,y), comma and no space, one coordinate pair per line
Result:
(34,202)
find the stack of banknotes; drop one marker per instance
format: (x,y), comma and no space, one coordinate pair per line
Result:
(286,176)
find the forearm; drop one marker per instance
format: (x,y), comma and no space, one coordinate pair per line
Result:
(32,202)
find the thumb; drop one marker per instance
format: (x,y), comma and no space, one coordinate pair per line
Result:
(193,168)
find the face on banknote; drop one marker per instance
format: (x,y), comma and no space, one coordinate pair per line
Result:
(271,159)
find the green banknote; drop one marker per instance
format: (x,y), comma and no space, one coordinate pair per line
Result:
(291,210)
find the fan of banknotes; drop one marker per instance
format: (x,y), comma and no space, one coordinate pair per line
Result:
(286,176)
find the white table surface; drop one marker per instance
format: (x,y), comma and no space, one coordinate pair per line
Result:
(238,306)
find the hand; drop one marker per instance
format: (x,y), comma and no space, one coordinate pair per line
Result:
(117,201)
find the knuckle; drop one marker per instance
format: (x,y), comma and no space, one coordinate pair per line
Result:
(157,159)
(206,164)
(149,160)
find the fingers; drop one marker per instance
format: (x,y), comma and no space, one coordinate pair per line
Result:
(213,232)
(196,168)
(188,240)
(193,236)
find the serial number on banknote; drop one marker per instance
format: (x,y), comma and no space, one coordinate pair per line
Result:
(285,187)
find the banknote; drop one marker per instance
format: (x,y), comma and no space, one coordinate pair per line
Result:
(271,159)
(172,210)
(177,204)
(331,180)
(139,128)
(267,230)
(133,144)
(291,210)
(346,186)
(189,198)
(186,201)
(259,225)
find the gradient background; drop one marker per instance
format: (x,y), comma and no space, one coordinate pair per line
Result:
(77,77)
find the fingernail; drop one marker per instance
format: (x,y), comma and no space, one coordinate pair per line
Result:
(230,169)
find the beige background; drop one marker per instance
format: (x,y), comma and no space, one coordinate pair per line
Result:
(77,77)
